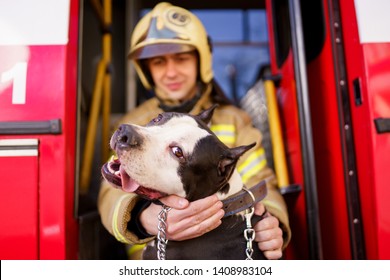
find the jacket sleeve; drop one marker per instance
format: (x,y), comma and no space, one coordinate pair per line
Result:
(115,207)
(253,168)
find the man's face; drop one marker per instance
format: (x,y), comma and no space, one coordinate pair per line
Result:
(175,74)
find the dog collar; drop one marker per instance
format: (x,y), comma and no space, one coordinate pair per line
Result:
(244,200)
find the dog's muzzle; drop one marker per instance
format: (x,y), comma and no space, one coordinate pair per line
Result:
(117,176)
(125,137)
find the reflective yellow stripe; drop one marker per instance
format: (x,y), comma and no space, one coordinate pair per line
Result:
(225,132)
(135,248)
(115,227)
(253,164)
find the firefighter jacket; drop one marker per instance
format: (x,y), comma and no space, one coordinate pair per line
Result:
(234,127)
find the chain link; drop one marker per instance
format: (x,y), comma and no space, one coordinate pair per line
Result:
(161,235)
(249,233)
(249,237)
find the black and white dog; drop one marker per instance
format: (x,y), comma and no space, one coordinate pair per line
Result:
(178,154)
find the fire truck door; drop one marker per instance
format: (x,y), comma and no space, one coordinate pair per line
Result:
(38,101)
(287,53)
(19,211)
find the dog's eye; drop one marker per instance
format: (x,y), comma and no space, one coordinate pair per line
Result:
(158,118)
(177,152)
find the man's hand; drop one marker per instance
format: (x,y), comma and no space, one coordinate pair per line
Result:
(185,220)
(189,220)
(268,234)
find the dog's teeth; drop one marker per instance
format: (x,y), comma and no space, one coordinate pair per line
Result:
(110,169)
(117,173)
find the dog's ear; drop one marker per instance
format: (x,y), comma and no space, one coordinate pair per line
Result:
(207,114)
(230,160)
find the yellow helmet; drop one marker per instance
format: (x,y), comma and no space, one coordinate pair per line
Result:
(170,29)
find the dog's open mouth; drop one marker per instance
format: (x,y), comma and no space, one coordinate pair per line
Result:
(113,172)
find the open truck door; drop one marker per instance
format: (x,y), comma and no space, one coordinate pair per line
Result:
(334,107)
(288,57)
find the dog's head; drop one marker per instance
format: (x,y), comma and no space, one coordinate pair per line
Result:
(174,154)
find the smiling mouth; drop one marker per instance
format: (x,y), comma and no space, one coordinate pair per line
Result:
(174,86)
(115,174)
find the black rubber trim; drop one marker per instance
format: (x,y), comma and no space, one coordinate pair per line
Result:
(31,127)
(290,189)
(382,125)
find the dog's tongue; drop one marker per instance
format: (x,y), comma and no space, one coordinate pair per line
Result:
(128,184)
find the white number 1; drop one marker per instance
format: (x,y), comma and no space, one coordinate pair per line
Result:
(18,73)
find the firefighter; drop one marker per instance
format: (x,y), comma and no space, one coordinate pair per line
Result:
(172,55)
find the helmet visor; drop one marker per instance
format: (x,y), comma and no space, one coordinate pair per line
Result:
(159,49)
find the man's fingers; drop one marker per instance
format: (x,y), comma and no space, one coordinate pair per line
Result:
(185,220)
(196,225)
(273,255)
(175,201)
(269,222)
(268,229)
(198,218)
(259,209)
(269,237)
(275,243)
(194,208)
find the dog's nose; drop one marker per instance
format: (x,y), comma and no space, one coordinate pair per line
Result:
(127,137)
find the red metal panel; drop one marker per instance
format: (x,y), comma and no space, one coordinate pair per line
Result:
(19,207)
(44,82)
(46,99)
(370,63)
(51,93)
(59,228)
(70,130)
(377,68)
(328,151)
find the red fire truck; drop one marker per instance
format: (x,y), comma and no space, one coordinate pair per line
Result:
(328,90)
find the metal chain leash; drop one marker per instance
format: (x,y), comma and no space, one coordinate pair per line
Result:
(249,232)
(161,235)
